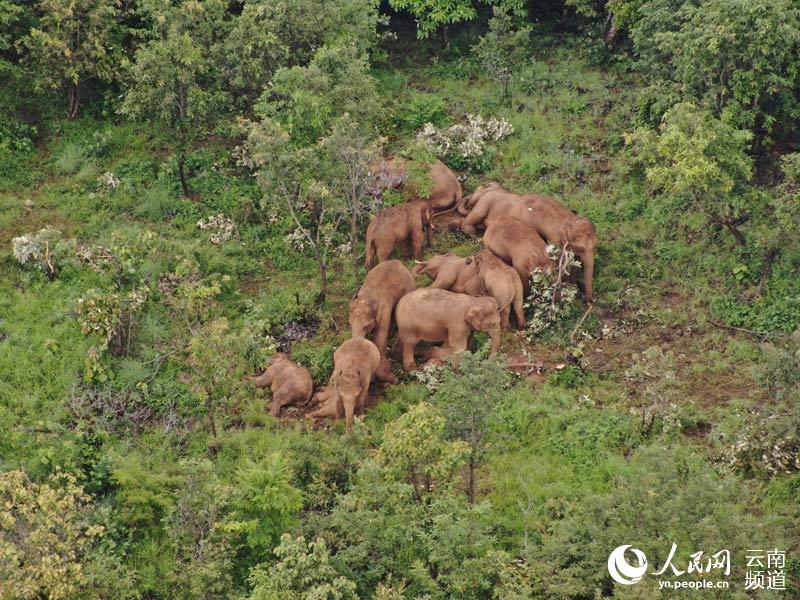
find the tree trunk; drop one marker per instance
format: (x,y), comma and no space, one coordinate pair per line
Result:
(738,235)
(471,482)
(766,270)
(323,281)
(353,237)
(73,100)
(446,36)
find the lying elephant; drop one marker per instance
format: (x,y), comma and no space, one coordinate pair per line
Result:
(519,245)
(440,316)
(396,224)
(481,275)
(445,191)
(372,308)
(355,364)
(552,220)
(290,383)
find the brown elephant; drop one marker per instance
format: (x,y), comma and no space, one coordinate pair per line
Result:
(502,283)
(443,317)
(355,364)
(451,272)
(290,383)
(519,245)
(396,224)
(372,309)
(445,189)
(481,275)
(552,220)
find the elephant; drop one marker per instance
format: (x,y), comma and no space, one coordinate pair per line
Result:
(445,189)
(519,245)
(373,307)
(290,383)
(397,224)
(481,275)
(451,272)
(356,363)
(552,220)
(441,316)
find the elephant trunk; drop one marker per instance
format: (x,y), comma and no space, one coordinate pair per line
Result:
(494,336)
(588,275)
(462,206)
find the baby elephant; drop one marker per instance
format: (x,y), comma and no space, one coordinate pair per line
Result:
(290,383)
(355,364)
(439,316)
(372,309)
(451,272)
(395,225)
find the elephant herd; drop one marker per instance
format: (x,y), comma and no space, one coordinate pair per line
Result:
(467,294)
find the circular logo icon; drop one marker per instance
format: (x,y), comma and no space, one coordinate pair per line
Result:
(621,570)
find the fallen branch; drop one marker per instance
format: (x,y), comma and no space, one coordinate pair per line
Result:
(578,326)
(760,334)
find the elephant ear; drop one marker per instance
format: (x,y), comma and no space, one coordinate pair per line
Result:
(473,316)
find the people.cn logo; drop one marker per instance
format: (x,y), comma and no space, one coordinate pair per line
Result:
(621,570)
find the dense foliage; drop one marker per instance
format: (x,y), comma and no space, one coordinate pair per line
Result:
(184,189)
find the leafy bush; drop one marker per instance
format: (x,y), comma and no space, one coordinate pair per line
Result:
(45,250)
(420,109)
(550,300)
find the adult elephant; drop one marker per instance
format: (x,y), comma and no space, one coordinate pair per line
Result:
(401,224)
(372,308)
(552,220)
(519,245)
(356,363)
(481,275)
(443,317)
(445,191)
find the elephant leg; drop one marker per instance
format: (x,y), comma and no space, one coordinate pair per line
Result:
(416,243)
(263,380)
(505,314)
(408,345)
(475,216)
(381,336)
(384,250)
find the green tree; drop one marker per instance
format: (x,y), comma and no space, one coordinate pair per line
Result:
(302,572)
(469,398)
(175,81)
(217,355)
(736,58)
(45,533)
(72,41)
(432,15)
(264,503)
(503,48)
(302,112)
(699,157)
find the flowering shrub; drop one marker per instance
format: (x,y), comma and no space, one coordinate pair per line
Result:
(109,181)
(549,300)
(44,250)
(466,145)
(220,227)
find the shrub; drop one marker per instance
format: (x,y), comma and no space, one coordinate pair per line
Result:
(769,444)
(549,300)
(45,250)
(467,145)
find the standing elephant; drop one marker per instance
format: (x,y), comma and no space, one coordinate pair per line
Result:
(439,316)
(552,220)
(290,383)
(519,245)
(396,224)
(372,308)
(502,283)
(445,191)
(355,364)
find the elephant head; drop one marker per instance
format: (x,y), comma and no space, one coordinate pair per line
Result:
(363,316)
(432,265)
(484,316)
